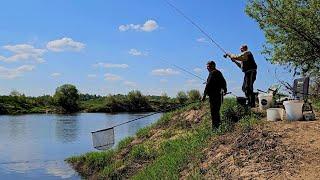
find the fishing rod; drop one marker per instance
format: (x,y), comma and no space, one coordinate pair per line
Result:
(157,112)
(151,114)
(212,41)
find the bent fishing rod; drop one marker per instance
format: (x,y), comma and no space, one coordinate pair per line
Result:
(212,41)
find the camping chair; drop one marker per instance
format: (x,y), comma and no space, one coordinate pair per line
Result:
(300,91)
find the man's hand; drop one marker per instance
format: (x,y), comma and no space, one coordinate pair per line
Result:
(227,55)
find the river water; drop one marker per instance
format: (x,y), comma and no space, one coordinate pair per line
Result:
(35,146)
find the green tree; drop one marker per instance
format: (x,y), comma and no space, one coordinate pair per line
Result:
(182,97)
(292,32)
(164,99)
(67,97)
(138,101)
(194,95)
(15,93)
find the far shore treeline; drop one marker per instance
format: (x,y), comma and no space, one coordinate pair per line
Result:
(67,99)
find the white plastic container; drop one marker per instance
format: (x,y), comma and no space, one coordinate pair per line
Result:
(265,101)
(293,110)
(274,114)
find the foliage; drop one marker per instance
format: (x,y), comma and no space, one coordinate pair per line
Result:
(248,121)
(124,142)
(143,152)
(292,31)
(86,97)
(67,97)
(232,112)
(138,101)
(182,97)
(316,103)
(144,132)
(194,95)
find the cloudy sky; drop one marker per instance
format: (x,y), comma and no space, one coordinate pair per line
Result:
(114,46)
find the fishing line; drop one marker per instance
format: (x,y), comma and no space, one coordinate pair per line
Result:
(184,70)
(196,25)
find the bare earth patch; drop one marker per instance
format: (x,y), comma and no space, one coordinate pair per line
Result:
(274,150)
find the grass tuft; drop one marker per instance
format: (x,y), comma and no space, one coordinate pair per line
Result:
(124,143)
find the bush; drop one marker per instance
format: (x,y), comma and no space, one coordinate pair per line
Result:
(182,97)
(194,95)
(138,101)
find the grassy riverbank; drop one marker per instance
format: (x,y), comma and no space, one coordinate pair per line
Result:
(166,148)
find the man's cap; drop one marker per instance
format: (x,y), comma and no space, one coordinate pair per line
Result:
(211,63)
(244,46)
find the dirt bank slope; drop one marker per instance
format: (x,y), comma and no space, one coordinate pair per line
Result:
(272,150)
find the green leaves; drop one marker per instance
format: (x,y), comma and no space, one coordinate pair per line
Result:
(67,97)
(292,32)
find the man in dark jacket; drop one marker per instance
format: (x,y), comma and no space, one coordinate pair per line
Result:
(216,87)
(246,62)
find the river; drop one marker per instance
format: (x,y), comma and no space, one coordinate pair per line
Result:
(34,146)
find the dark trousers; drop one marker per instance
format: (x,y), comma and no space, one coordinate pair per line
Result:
(247,86)
(215,104)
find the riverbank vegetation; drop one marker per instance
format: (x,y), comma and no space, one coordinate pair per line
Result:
(67,99)
(164,149)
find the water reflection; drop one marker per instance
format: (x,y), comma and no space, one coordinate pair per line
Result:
(35,146)
(67,129)
(17,128)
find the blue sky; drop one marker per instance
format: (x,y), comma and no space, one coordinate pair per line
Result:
(109,46)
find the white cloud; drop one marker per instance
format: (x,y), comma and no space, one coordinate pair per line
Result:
(192,81)
(197,70)
(109,65)
(165,72)
(92,75)
(130,84)
(129,26)
(10,73)
(23,52)
(202,40)
(148,26)
(65,44)
(56,74)
(112,77)
(135,52)
(163,80)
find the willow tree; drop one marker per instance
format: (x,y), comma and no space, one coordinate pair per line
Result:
(292,31)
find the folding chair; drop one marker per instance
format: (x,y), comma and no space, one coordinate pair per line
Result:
(300,91)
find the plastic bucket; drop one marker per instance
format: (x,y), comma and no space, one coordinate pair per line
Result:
(293,110)
(274,114)
(265,101)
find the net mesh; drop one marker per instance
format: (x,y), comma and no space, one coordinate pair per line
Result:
(103,139)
